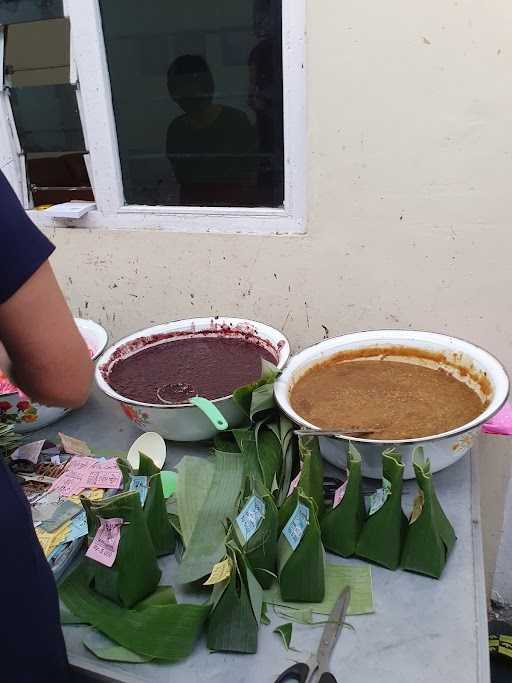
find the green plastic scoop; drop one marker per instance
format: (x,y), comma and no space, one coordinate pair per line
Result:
(174,394)
(211,411)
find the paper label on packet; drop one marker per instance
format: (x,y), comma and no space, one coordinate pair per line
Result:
(139,484)
(29,451)
(74,446)
(103,548)
(220,572)
(377,499)
(250,518)
(296,525)
(339,494)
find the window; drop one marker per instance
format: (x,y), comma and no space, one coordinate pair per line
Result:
(184,116)
(45,111)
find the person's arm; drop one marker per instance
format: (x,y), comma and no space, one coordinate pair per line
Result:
(49,359)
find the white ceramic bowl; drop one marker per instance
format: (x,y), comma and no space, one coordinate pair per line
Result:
(184,422)
(29,415)
(442,449)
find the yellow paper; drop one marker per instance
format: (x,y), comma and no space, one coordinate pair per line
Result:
(91,494)
(49,541)
(220,572)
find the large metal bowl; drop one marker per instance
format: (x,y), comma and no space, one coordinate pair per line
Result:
(442,449)
(184,422)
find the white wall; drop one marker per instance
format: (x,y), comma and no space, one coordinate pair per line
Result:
(409,201)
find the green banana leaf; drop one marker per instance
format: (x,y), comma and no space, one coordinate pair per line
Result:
(383,534)
(261,451)
(342,525)
(430,536)
(286,510)
(283,428)
(135,573)
(236,609)
(258,398)
(105,649)
(204,509)
(312,478)
(147,467)
(165,632)
(126,471)
(257,535)
(300,554)
(157,519)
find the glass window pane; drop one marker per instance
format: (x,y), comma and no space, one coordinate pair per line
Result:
(17,11)
(198,100)
(47,118)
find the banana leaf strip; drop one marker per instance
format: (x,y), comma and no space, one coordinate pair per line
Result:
(166,632)
(256,530)
(157,519)
(204,509)
(285,632)
(312,478)
(430,536)
(383,533)
(301,555)
(135,573)
(342,525)
(236,610)
(104,648)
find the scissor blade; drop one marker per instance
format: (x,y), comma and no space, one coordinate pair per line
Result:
(332,629)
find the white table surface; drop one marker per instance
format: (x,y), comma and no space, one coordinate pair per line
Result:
(422,631)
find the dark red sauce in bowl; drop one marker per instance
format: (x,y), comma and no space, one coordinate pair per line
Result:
(212,366)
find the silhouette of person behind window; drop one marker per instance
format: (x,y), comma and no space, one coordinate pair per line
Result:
(211,147)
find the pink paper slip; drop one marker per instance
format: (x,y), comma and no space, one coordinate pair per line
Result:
(103,548)
(339,494)
(501,423)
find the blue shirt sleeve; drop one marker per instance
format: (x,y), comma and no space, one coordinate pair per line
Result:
(23,248)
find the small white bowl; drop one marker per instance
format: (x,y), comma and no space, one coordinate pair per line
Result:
(444,449)
(184,422)
(28,415)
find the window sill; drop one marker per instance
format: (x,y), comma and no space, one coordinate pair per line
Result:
(183,220)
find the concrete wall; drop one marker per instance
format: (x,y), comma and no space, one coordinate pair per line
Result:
(409,202)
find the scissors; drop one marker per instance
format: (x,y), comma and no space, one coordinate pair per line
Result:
(304,672)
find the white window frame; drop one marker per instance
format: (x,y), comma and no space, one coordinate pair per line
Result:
(89,62)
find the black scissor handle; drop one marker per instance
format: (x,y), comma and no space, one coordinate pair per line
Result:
(327,678)
(298,672)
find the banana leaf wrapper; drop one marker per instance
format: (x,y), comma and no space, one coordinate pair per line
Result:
(157,628)
(135,573)
(302,569)
(430,536)
(341,526)
(260,548)
(383,533)
(155,513)
(257,400)
(147,467)
(312,478)
(236,609)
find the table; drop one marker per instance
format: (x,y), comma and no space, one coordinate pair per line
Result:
(422,631)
